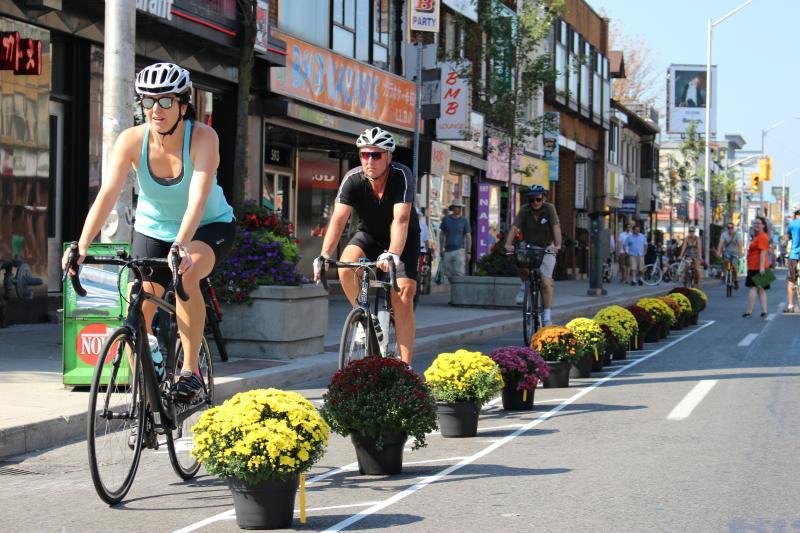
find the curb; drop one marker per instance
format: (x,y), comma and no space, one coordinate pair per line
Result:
(62,430)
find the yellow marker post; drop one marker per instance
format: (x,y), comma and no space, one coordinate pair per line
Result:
(524,395)
(596,355)
(302,498)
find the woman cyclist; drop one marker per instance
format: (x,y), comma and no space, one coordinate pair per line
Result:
(179,202)
(693,249)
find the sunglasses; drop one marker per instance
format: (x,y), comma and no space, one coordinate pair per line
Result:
(536,199)
(375,156)
(164,102)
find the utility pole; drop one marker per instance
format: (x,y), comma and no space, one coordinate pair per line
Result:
(118,91)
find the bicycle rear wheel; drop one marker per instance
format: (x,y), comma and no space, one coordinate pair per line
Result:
(531,317)
(114,410)
(219,340)
(672,273)
(354,337)
(651,275)
(728,282)
(179,440)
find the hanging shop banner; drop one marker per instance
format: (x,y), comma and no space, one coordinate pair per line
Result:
(483,219)
(550,136)
(498,162)
(628,206)
(464,7)
(329,80)
(535,172)
(687,99)
(262,26)
(453,123)
(580,186)
(424,15)
(157,8)
(440,158)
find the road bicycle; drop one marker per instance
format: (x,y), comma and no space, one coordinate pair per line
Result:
(130,401)
(652,274)
(730,273)
(213,317)
(689,274)
(423,276)
(610,268)
(368,332)
(530,256)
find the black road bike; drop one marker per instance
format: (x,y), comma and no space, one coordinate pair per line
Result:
(530,257)
(131,404)
(213,317)
(365,331)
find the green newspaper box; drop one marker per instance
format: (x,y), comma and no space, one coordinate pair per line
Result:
(90,319)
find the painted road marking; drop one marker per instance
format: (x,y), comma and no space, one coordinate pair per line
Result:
(692,400)
(425,481)
(748,340)
(770,316)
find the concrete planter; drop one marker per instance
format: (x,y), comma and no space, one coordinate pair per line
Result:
(484,291)
(282,323)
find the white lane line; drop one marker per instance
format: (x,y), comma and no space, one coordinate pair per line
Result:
(449,470)
(210,520)
(329,473)
(492,428)
(444,460)
(692,400)
(748,339)
(770,316)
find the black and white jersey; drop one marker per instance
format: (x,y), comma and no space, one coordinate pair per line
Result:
(375,216)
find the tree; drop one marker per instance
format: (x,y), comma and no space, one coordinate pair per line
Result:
(509,66)
(642,82)
(247,8)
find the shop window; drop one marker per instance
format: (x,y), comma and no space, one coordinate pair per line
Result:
(309,20)
(574,69)
(351,28)
(597,87)
(561,59)
(204,106)
(381,29)
(586,66)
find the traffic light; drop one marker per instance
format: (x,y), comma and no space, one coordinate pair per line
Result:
(755,182)
(765,168)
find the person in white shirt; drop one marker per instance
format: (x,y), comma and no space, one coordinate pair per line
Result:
(622,256)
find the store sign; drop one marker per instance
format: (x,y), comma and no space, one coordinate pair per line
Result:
(262,26)
(535,172)
(90,341)
(475,142)
(455,109)
(580,186)
(276,155)
(424,15)
(628,206)
(23,56)
(551,142)
(440,159)
(464,7)
(483,219)
(158,8)
(329,80)
(498,162)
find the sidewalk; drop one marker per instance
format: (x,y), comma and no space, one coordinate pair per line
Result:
(39,412)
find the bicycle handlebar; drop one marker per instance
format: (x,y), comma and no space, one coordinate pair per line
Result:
(121,259)
(371,265)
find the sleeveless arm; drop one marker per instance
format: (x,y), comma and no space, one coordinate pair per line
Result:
(205,161)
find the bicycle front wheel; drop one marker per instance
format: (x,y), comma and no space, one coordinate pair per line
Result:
(728,282)
(531,318)
(179,440)
(115,417)
(651,275)
(354,338)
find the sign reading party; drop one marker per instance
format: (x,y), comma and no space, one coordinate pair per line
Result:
(424,15)
(327,79)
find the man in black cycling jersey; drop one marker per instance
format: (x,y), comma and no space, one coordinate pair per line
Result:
(381,193)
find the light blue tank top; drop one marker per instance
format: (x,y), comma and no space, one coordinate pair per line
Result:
(160,208)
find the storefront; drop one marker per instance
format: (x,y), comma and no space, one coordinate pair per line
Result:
(320,102)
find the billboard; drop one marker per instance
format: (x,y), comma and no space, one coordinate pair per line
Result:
(687,99)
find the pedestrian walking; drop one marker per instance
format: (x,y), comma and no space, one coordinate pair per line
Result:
(456,243)
(624,264)
(757,264)
(793,233)
(634,247)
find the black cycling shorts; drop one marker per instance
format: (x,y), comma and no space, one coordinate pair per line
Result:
(217,235)
(372,248)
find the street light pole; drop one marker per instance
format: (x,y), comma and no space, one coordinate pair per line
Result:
(707,202)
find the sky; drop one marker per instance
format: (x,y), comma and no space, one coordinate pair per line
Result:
(755,51)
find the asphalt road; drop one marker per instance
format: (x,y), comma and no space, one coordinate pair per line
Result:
(698,433)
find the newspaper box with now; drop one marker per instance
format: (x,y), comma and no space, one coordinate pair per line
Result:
(89,320)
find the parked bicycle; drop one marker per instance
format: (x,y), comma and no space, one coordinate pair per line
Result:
(365,331)
(424,276)
(130,400)
(530,257)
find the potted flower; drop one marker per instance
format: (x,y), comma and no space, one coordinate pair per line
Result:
(695,298)
(662,313)
(560,348)
(622,323)
(379,402)
(612,343)
(677,324)
(684,304)
(522,369)
(462,382)
(591,340)
(703,296)
(646,324)
(260,441)
(261,290)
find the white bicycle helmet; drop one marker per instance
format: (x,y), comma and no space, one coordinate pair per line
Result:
(376,137)
(163,78)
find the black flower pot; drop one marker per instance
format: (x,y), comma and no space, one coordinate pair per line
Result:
(386,461)
(678,325)
(640,340)
(693,318)
(458,419)
(559,374)
(582,368)
(598,362)
(517,400)
(653,334)
(620,354)
(607,357)
(664,331)
(265,505)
